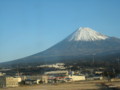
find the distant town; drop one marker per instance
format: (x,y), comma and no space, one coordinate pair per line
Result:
(55,74)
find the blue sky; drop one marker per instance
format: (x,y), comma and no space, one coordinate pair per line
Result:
(31,26)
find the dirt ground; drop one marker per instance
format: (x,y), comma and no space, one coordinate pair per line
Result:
(85,85)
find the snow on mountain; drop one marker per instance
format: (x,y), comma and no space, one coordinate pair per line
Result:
(86,34)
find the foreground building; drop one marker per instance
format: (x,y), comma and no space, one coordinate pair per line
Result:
(8,81)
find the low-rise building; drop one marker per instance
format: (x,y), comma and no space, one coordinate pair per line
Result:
(56,76)
(44,79)
(57,65)
(2,74)
(30,82)
(76,77)
(98,72)
(8,81)
(65,72)
(98,77)
(35,79)
(95,77)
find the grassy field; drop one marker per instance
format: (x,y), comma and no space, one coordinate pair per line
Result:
(84,85)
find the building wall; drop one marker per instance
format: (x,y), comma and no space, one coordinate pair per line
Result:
(77,78)
(8,82)
(45,79)
(32,77)
(2,82)
(11,82)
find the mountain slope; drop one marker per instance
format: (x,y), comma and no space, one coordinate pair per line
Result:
(84,42)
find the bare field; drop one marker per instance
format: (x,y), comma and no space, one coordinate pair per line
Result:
(86,85)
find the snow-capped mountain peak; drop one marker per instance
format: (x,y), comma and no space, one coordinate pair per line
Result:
(86,34)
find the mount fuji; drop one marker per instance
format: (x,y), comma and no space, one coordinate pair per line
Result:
(81,44)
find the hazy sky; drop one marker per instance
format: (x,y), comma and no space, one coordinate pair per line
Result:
(31,26)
